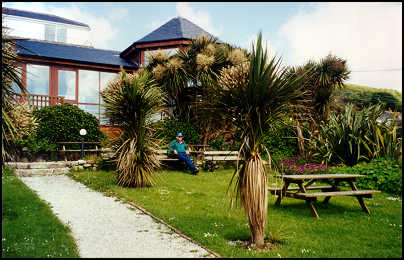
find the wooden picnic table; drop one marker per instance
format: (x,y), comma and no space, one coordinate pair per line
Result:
(332,189)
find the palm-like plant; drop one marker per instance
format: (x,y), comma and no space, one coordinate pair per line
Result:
(10,75)
(131,101)
(358,135)
(255,102)
(331,72)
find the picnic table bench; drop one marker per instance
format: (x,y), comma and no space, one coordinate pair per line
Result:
(304,183)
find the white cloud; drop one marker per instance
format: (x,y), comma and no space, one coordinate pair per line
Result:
(367,35)
(199,17)
(101,32)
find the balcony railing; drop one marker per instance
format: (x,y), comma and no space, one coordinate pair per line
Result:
(39,101)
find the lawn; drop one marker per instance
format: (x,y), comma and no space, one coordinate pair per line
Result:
(29,228)
(198,206)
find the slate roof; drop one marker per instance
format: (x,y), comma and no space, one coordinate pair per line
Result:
(67,52)
(175,29)
(41,16)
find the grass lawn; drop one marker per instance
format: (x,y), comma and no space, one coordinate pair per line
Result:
(29,228)
(199,207)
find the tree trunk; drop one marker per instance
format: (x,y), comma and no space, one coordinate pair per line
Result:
(254,196)
(300,140)
(258,235)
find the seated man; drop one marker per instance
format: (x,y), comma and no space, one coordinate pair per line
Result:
(179,147)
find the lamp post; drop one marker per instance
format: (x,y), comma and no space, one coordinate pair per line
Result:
(83,132)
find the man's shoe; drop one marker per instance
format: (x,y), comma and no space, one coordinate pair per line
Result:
(195,171)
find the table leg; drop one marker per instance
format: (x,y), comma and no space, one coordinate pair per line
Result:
(309,203)
(359,198)
(334,187)
(282,193)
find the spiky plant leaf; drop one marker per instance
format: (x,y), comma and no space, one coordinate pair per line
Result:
(131,101)
(255,103)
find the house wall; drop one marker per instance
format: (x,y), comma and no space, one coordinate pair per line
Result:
(35,29)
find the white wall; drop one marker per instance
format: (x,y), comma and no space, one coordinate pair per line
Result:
(35,29)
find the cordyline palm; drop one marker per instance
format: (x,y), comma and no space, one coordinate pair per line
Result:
(130,102)
(256,102)
(202,61)
(330,74)
(10,74)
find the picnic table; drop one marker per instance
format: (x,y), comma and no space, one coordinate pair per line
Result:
(332,189)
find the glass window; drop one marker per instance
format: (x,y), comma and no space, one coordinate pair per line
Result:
(50,32)
(92,109)
(14,87)
(37,79)
(106,77)
(88,86)
(103,119)
(147,54)
(67,84)
(61,34)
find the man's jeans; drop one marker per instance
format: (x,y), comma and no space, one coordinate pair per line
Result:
(185,157)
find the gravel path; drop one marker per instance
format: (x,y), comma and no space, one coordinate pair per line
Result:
(104,227)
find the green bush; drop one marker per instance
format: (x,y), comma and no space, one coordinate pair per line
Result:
(356,135)
(382,174)
(278,144)
(62,123)
(225,144)
(168,128)
(35,145)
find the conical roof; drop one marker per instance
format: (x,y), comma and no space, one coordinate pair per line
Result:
(176,28)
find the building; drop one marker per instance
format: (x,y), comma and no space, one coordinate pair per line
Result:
(59,63)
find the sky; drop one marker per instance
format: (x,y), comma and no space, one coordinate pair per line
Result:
(368,35)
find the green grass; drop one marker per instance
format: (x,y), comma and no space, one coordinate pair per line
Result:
(199,207)
(29,228)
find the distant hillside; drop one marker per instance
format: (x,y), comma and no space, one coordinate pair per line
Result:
(361,95)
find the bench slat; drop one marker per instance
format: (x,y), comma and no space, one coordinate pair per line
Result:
(85,150)
(220,152)
(336,193)
(297,188)
(221,158)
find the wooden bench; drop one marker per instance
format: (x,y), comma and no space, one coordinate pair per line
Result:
(163,155)
(211,157)
(97,148)
(362,193)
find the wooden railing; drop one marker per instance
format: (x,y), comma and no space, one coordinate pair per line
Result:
(39,101)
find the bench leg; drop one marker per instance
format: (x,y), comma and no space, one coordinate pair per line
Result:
(282,193)
(359,198)
(327,199)
(309,203)
(362,203)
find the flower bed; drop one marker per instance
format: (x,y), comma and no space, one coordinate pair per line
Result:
(293,167)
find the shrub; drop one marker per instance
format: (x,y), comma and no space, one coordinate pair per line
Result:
(35,145)
(168,128)
(355,136)
(225,144)
(62,123)
(382,174)
(278,144)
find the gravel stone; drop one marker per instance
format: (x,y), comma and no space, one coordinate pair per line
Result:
(104,227)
